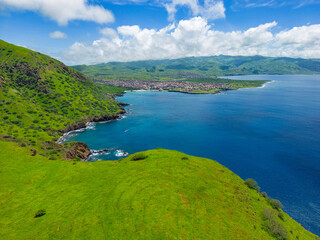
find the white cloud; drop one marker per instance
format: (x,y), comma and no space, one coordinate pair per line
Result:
(272,3)
(58,34)
(109,32)
(302,36)
(129,30)
(62,11)
(195,37)
(211,9)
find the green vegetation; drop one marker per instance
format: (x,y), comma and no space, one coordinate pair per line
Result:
(272,218)
(193,67)
(139,156)
(40,213)
(157,194)
(228,83)
(168,195)
(252,184)
(275,203)
(40,98)
(274,225)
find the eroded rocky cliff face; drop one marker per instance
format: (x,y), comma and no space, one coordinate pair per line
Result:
(79,150)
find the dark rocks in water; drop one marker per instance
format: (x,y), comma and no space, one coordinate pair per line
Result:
(101,151)
(122,104)
(79,150)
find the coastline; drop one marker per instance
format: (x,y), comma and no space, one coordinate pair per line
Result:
(263,85)
(86,124)
(83,147)
(181,90)
(186,92)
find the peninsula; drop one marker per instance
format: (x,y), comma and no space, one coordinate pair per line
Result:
(195,86)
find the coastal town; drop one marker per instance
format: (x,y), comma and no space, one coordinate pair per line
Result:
(181,86)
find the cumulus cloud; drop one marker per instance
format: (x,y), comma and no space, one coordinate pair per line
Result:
(211,9)
(58,34)
(109,32)
(62,11)
(129,30)
(195,37)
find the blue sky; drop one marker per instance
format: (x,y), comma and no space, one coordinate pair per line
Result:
(88,32)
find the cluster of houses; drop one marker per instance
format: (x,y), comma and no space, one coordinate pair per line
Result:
(166,85)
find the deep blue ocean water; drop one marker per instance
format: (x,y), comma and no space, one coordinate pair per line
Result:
(271,134)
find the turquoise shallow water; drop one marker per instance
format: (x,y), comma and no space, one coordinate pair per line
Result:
(271,134)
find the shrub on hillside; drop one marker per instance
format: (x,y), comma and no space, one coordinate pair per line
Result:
(275,203)
(139,156)
(281,215)
(40,213)
(273,225)
(252,184)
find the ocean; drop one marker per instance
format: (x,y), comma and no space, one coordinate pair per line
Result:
(270,134)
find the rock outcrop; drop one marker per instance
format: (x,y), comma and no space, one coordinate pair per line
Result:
(79,150)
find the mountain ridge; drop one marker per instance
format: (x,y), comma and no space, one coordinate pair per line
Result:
(204,66)
(41,98)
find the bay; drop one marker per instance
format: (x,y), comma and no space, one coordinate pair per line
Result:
(271,134)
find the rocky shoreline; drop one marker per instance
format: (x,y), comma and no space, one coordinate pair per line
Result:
(83,124)
(81,149)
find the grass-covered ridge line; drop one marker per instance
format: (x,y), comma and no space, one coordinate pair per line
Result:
(157,194)
(167,70)
(40,98)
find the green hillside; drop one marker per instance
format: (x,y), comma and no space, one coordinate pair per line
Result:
(167,195)
(41,97)
(201,66)
(158,194)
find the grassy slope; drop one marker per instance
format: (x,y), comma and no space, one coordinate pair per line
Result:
(39,96)
(205,66)
(161,197)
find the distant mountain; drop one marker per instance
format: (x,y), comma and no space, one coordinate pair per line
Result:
(41,97)
(204,66)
